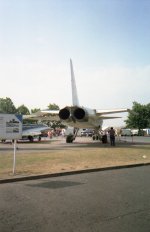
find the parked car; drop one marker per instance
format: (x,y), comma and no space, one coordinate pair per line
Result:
(126,132)
(87,132)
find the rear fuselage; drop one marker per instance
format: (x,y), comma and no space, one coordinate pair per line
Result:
(80,117)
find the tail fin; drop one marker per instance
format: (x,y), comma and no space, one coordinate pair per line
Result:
(75,100)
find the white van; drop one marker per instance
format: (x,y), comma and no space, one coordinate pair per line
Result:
(126,132)
(135,132)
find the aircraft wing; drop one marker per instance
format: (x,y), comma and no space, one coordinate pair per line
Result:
(44,115)
(108,117)
(101,112)
(50,115)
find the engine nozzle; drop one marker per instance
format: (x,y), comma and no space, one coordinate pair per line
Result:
(79,113)
(64,114)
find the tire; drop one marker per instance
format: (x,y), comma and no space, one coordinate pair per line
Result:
(31,139)
(69,139)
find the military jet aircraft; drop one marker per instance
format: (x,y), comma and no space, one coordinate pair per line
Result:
(76,115)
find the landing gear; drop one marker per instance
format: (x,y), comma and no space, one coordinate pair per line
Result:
(69,138)
(96,137)
(31,139)
(104,139)
(39,138)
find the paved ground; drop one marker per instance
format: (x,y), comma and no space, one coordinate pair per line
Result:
(108,201)
(79,142)
(54,144)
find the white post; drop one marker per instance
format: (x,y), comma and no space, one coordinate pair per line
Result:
(14,160)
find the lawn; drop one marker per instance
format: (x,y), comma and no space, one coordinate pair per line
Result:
(73,158)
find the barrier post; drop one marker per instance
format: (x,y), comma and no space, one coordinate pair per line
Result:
(14,158)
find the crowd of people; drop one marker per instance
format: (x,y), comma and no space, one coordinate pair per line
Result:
(106,135)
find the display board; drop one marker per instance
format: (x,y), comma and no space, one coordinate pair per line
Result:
(10,126)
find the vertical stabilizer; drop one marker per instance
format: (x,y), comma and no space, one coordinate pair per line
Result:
(75,100)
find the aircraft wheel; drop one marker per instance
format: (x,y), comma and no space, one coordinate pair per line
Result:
(30,138)
(69,139)
(93,137)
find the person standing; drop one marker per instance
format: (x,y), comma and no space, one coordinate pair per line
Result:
(112,136)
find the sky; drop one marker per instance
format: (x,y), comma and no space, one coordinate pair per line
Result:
(107,40)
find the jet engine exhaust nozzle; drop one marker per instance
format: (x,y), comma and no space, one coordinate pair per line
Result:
(64,114)
(79,113)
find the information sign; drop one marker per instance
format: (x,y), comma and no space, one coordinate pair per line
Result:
(10,126)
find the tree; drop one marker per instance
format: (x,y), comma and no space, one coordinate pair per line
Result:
(139,116)
(23,110)
(53,107)
(35,110)
(53,123)
(7,106)
(148,115)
